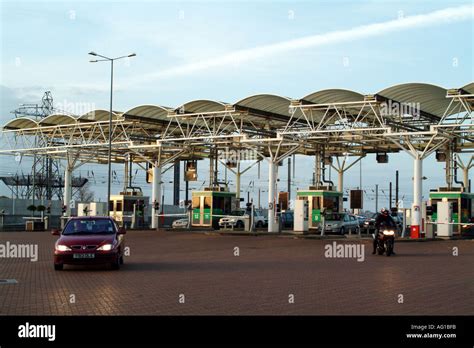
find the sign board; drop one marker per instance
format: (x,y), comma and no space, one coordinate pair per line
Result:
(356,199)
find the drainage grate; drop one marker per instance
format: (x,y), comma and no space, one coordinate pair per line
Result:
(8,281)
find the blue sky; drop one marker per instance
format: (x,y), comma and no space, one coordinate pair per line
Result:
(211,50)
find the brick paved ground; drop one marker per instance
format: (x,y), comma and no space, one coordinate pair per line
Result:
(163,265)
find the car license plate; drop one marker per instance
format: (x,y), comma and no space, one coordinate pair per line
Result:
(83,256)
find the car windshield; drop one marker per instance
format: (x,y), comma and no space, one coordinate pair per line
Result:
(237,213)
(334,217)
(89,226)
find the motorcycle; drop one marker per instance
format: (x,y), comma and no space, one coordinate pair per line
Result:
(385,239)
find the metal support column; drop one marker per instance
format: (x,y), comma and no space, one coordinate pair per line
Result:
(417,195)
(68,189)
(272,177)
(465,173)
(155,194)
(237,183)
(176,182)
(340,187)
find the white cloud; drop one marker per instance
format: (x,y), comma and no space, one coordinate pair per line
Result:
(444,16)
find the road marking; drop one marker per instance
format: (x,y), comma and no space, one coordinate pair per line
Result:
(8,281)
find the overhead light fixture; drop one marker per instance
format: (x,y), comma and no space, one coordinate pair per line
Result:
(382,158)
(440,156)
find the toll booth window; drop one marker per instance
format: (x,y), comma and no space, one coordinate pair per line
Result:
(465,208)
(128,205)
(111,205)
(196,202)
(455,207)
(227,205)
(330,203)
(207,202)
(218,203)
(119,205)
(316,203)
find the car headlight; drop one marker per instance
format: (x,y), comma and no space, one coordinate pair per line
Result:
(61,247)
(106,247)
(388,233)
(366,223)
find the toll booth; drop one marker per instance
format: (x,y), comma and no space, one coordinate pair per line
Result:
(129,208)
(210,205)
(462,205)
(319,201)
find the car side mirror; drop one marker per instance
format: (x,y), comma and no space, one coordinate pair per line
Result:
(55,232)
(121,230)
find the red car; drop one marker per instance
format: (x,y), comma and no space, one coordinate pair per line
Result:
(89,240)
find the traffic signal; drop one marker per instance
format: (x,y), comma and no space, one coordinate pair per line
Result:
(429,210)
(382,158)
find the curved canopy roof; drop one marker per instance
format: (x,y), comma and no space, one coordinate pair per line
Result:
(267,107)
(97,115)
(269,104)
(201,105)
(57,119)
(327,96)
(21,123)
(154,112)
(432,99)
(469,88)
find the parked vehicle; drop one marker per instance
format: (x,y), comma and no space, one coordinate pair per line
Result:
(180,223)
(341,223)
(89,240)
(259,219)
(237,218)
(369,223)
(361,219)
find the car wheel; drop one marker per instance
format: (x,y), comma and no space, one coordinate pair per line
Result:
(121,260)
(259,224)
(58,266)
(342,231)
(239,224)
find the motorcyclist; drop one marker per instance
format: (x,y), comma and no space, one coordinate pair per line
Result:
(382,218)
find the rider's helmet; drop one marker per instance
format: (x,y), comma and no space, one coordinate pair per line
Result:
(384,211)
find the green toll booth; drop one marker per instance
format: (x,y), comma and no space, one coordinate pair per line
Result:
(210,205)
(462,204)
(318,200)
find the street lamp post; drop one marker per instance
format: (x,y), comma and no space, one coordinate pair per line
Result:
(109,154)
